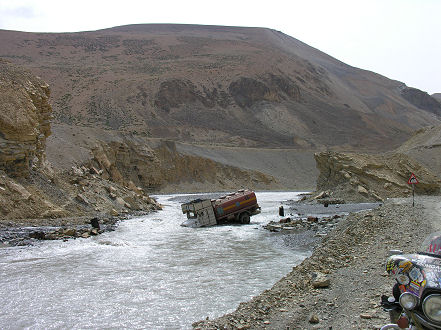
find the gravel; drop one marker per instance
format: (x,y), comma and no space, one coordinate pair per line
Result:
(352,257)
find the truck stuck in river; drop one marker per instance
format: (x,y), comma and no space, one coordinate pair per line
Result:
(235,207)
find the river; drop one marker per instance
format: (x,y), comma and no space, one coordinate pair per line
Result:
(150,273)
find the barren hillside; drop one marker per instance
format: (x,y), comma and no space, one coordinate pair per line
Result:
(218,85)
(425,147)
(106,175)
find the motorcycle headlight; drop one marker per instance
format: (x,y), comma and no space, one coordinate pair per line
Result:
(432,307)
(408,300)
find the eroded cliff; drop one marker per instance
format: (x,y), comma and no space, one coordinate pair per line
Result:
(25,115)
(363,177)
(104,177)
(30,189)
(161,168)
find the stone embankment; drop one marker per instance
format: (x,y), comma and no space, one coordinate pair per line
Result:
(340,285)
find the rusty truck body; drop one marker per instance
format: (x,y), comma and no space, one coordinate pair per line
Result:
(235,207)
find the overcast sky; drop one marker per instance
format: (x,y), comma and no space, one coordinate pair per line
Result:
(400,39)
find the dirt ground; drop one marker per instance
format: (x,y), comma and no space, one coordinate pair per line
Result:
(352,257)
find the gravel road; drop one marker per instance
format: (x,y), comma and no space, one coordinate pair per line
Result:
(352,257)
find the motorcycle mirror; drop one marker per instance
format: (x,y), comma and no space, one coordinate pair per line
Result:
(395,252)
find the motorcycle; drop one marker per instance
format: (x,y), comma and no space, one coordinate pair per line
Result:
(416,296)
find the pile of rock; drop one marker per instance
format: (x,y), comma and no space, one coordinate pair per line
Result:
(65,233)
(290,224)
(13,236)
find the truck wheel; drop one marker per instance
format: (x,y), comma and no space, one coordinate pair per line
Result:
(244,218)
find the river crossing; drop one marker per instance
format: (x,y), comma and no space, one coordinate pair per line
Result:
(150,273)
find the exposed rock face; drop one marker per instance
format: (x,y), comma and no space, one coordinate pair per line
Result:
(183,170)
(248,91)
(175,93)
(164,169)
(437,96)
(422,100)
(127,164)
(361,177)
(24,119)
(27,194)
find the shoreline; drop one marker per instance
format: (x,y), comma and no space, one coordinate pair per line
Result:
(25,232)
(350,263)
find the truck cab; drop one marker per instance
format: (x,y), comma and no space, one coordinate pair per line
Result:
(199,213)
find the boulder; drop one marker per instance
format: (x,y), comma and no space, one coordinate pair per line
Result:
(82,199)
(319,280)
(37,235)
(69,232)
(314,319)
(77,171)
(18,188)
(362,190)
(312,219)
(120,201)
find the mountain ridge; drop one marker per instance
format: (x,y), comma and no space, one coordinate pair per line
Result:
(245,87)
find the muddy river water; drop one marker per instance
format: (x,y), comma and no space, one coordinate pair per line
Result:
(150,273)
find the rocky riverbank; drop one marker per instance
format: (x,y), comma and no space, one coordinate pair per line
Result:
(316,217)
(29,232)
(340,285)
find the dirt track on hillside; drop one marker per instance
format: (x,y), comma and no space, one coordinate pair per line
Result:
(353,257)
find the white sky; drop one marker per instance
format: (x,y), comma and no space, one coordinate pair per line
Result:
(400,39)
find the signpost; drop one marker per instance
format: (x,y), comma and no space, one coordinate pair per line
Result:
(413,181)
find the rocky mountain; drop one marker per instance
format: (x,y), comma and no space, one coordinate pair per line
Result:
(437,96)
(202,108)
(29,187)
(111,178)
(228,86)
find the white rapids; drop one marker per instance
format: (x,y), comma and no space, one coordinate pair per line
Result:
(150,273)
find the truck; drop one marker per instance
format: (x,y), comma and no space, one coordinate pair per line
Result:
(238,207)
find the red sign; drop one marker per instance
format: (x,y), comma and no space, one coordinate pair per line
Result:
(412,179)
